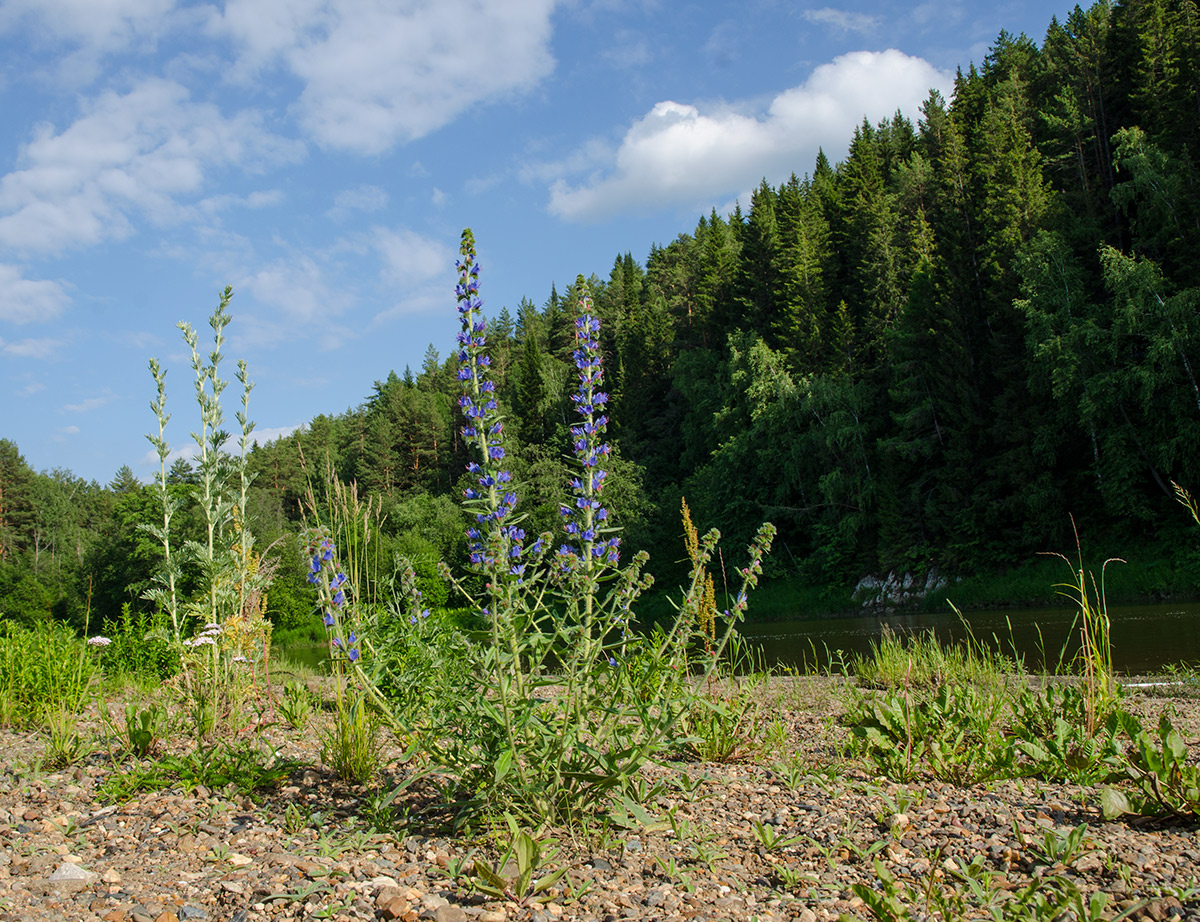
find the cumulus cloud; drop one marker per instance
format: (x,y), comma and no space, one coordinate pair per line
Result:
(144,153)
(842,20)
(24,300)
(678,154)
(377,73)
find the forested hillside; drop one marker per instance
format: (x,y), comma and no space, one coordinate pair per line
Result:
(985,320)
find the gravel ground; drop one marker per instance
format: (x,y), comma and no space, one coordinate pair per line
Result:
(304,850)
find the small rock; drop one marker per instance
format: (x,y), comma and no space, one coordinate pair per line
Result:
(191,914)
(449,913)
(68,870)
(240,861)
(110,877)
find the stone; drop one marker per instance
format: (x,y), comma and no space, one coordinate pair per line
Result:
(449,913)
(191,914)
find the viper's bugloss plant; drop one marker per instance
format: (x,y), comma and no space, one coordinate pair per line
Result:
(342,630)
(574,700)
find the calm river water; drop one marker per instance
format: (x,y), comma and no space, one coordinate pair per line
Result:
(1144,637)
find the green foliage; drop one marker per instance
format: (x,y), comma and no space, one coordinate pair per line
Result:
(239,767)
(920,660)
(526,856)
(296,706)
(140,646)
(972,892)
(45,670)
(64,744)
(953,735)
(145,728)
(1051,733)
(351,747)
(1164,781)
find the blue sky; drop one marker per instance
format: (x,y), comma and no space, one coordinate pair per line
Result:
(323,156)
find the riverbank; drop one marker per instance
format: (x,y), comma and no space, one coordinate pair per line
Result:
(1144,575)
(784,835)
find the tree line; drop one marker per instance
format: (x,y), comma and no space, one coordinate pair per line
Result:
(934,353)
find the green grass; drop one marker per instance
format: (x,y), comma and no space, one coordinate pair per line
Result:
(44,670)
(920,659)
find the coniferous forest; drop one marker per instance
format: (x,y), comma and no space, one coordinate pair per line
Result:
(983,322)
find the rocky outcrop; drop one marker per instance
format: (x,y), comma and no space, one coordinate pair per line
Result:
(891,592)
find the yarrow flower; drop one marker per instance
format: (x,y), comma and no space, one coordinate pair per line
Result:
(582,519)
(98,641)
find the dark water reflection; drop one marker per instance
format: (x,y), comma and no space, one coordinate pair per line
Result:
(1145,638)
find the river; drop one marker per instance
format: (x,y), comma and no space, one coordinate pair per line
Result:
(1145,638)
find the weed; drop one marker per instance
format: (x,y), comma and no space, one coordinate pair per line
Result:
(351,746)
(527,856)
(145,728)
(296,706)
(770,839)
(1163,780)
(64,745)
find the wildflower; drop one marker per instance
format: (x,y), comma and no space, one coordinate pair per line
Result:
(582,518)
(98,641)
(482,427)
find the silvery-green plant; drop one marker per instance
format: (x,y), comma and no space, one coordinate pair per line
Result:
(165,594)
(212,494)
(233,576)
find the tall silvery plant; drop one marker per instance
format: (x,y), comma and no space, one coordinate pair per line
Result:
(233,575)
(165,592)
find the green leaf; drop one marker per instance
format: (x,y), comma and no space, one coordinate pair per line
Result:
(1114,803)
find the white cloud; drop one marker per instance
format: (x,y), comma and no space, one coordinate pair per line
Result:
(105,25)
(680,155)
(24,300)
(263,436)
(377,73)
(297,289)
(131,155)
(361,198)
(88,404)
(68,430)
(842,20)
(43,348)
(408,258)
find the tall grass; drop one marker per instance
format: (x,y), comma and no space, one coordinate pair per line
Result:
(920,659)
(44,670)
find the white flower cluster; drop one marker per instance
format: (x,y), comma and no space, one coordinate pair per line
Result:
(206,638)
(98,641)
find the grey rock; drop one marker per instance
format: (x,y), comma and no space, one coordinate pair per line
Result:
(68,872)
